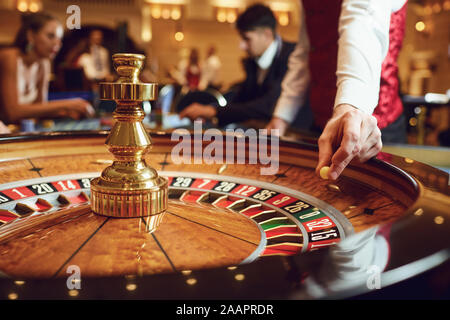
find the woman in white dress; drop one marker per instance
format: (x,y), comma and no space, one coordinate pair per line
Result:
(25,74)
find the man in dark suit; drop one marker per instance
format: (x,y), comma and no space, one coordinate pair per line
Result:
(265,67)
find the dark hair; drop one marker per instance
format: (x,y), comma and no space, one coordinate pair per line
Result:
(256,16)
(34,22)
(193,56)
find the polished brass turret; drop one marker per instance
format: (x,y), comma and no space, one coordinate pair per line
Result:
(129,187)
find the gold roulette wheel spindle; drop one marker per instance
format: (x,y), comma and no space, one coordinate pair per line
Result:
(129,187)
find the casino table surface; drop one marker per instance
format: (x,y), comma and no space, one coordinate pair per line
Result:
(229,231)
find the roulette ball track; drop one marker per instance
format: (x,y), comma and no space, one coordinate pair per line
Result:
(229,231)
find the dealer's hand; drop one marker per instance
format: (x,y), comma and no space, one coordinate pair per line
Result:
(197,110)
(350,133)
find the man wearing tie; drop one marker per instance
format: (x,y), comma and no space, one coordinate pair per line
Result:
(96,63)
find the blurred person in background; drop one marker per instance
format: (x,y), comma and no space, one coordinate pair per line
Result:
(193,71)
(149,73)
(72,59)
(210,77)
(25,70)
(187,72)
(95,62)
(265,66)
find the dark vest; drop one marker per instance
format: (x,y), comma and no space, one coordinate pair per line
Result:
(322,19)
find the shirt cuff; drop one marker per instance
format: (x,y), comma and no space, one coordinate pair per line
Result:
(356,93)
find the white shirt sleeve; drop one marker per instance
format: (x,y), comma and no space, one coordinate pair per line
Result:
(105,62)
(363,45)
(296,81)
(85,62)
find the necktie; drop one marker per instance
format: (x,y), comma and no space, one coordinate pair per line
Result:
(97,59)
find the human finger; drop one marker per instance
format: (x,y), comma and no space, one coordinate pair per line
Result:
(372,152)
(278,126)
(368,128)
(186,113)
(272,128)
(90,111)
(372,138)
(82,107)
(325,143)
(349,147)
(372,147)
(270,125)
(73,114)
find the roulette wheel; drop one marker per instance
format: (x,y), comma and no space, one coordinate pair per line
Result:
(228,231)
(223,222)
